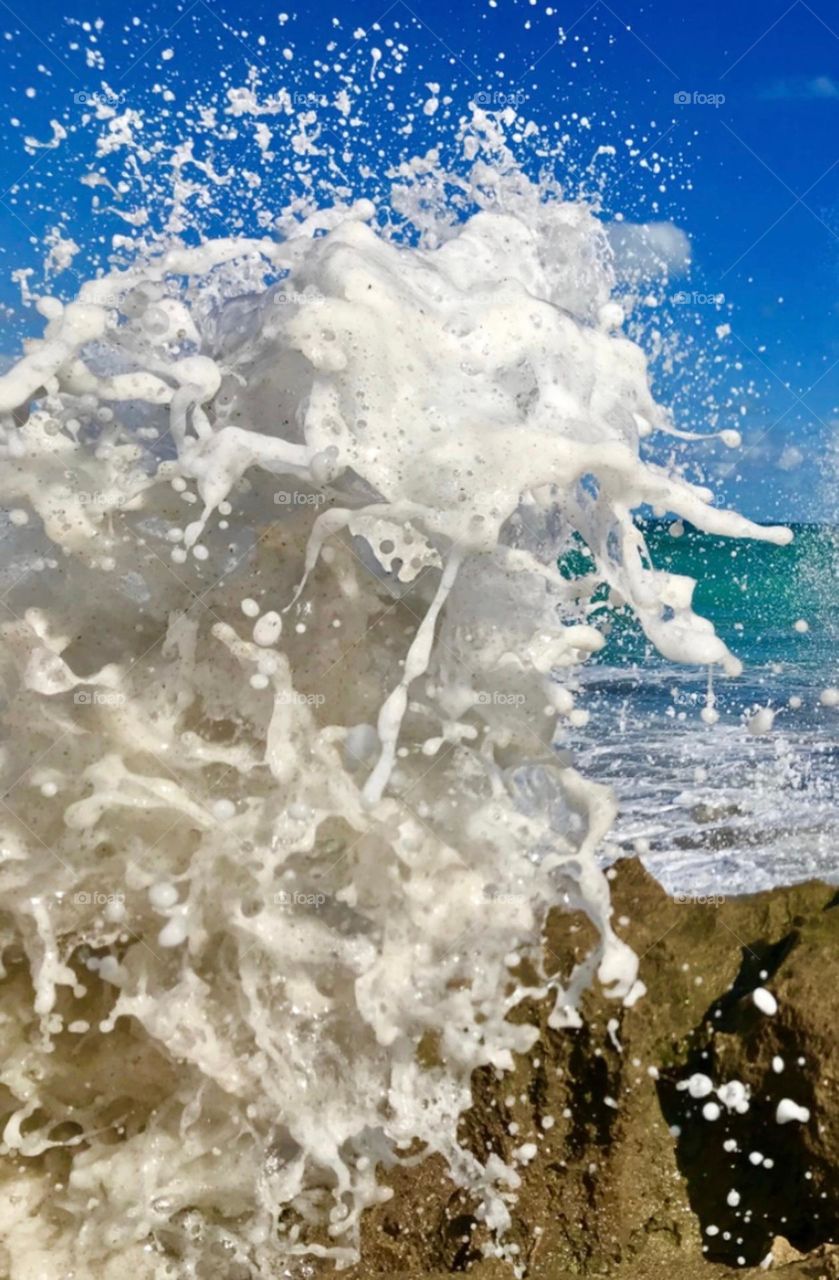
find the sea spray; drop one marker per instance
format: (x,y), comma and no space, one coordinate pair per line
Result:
(287,661)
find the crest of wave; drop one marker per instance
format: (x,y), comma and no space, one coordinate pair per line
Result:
(285,666)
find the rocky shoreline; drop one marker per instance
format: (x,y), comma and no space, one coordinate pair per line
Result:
(622,1172)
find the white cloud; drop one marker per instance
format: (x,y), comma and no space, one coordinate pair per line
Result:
(643,250)
(802,89)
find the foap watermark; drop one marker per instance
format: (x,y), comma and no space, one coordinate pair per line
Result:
(699,899)
(293,298)
(297,499)
(97,898)
(299,898)
(492,893)
(94,499)
(291,698)
(498,698)
(97,98)
(98,698)
(685,298)
(500,98)
(683,98)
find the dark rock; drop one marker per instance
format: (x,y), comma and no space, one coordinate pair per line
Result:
(612,1191)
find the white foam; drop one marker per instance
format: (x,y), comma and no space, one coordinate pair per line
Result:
(366,822)
(788,1111)
(765,1001)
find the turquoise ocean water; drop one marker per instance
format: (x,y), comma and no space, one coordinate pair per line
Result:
(715,809)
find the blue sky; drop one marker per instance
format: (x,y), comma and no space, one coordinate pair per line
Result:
(746,160)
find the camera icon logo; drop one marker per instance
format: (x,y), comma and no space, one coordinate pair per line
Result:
(681,98)
(81,98)
(83,697)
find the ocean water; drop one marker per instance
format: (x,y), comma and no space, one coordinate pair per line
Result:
(714,808)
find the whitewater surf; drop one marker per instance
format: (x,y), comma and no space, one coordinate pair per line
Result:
(287,683)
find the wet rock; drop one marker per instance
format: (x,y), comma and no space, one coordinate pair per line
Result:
(634,1175)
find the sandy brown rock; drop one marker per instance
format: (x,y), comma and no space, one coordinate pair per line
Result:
(611,1190)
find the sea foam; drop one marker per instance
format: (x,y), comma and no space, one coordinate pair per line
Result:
(289,663)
